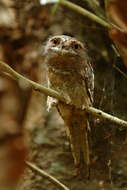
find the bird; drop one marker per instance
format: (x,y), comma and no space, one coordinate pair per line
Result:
(70,72)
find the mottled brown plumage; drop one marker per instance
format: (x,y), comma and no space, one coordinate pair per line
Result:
(70,73)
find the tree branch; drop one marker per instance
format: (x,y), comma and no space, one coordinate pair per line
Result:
(47,176)
(106,116)
(7,70)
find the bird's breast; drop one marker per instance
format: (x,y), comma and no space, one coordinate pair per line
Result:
(71,86)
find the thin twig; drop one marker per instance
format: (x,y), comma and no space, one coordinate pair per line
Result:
(53,180)
(88,14)
(85,12)
(122,73)
(94,5)
(49,92)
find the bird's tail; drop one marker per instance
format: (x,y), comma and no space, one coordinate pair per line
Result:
(77,130)
(78,135)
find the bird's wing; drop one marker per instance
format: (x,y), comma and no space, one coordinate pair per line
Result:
(88,76)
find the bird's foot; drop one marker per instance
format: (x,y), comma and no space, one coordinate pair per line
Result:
(51,102)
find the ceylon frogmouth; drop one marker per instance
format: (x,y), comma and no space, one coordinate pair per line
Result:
(70,73)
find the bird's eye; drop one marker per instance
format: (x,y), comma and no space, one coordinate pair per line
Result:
(76,46)
(55,41)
